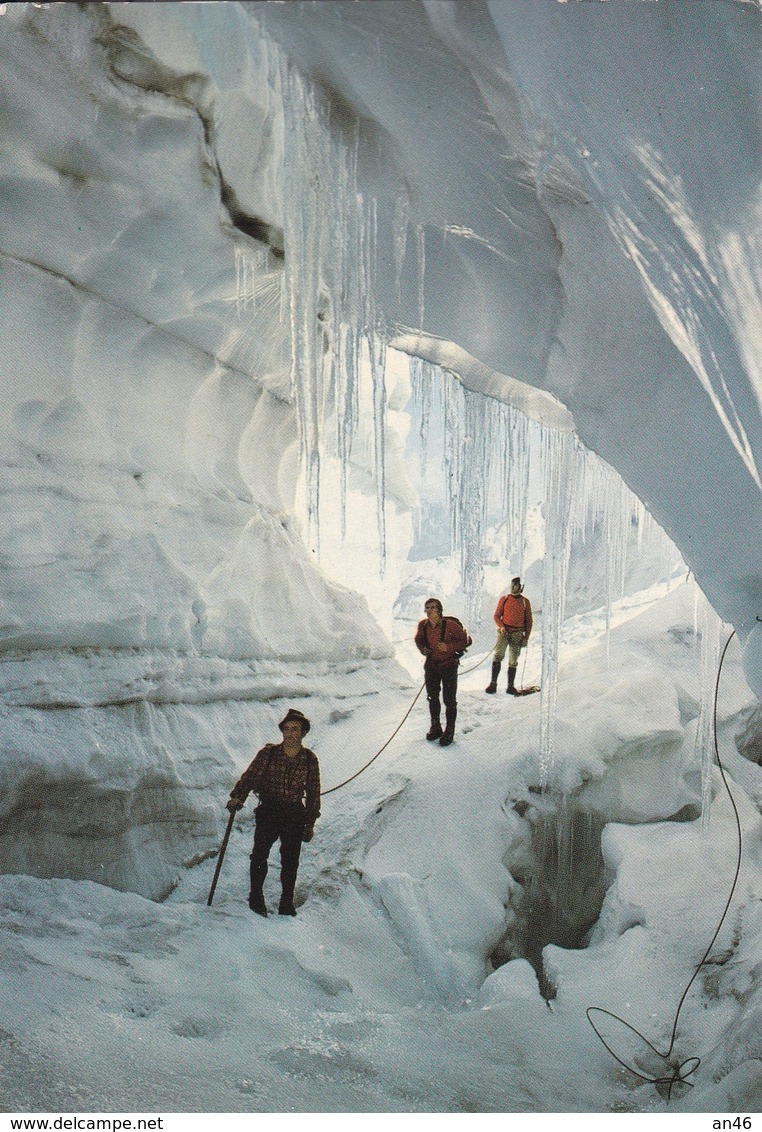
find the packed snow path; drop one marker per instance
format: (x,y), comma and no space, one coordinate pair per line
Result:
(379,997)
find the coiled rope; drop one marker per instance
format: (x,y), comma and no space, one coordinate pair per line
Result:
(685,1069)
(357,773)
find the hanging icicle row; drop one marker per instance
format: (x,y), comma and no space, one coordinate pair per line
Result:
(331,251)
(303,167)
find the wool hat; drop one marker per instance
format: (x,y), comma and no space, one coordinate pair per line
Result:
(294,716)
(514,580)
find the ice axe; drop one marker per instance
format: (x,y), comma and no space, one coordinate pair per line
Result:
(221,856)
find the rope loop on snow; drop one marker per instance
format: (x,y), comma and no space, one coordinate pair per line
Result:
(687,1068)
(680,1073)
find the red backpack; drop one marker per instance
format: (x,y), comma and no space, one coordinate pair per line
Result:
(459,623)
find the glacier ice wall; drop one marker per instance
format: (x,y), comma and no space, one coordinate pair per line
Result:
(149,459)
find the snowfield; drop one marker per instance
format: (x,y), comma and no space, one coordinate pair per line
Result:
(381,995)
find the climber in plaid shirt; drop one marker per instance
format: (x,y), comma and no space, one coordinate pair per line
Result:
(286,777)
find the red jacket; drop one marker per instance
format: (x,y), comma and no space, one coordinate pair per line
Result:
(514,612)
(450,632)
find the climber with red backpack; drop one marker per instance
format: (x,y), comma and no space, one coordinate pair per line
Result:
(513,618)
(442,640)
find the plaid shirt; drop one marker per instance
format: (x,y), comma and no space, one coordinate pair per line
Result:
(281,781)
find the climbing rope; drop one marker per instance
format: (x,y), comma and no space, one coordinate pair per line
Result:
(397,728)
(686,1068)
(478,664)
(525,650)
(323,793)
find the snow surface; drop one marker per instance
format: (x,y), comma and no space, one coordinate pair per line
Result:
(222,228)
(380,996)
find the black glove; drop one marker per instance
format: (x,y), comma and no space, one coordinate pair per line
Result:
(308,833)
(234,805)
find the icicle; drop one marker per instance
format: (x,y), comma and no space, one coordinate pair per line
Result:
(344,244)
(516,480)
(639,514)
(377,355)
(422,381)
(560,493)
(377,347)
(452,417)
(346,386)
(710,658)
(401,224)
(420,243)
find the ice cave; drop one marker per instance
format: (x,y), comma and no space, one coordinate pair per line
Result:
(311,311)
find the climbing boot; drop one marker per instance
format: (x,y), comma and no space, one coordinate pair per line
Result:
(435,731)
(511,689)
(449,731)
(286,907)
(257,903)
(492,686)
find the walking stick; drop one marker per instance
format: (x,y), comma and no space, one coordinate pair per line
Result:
(220,857)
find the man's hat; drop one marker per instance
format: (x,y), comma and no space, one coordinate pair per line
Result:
(294,716)
(516,581)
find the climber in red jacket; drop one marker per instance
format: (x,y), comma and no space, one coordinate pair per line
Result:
(442,640)
(513,618)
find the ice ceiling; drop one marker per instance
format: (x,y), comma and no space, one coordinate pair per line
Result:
(556,202)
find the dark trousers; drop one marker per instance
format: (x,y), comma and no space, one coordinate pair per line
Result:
(445,679)
(272,824)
